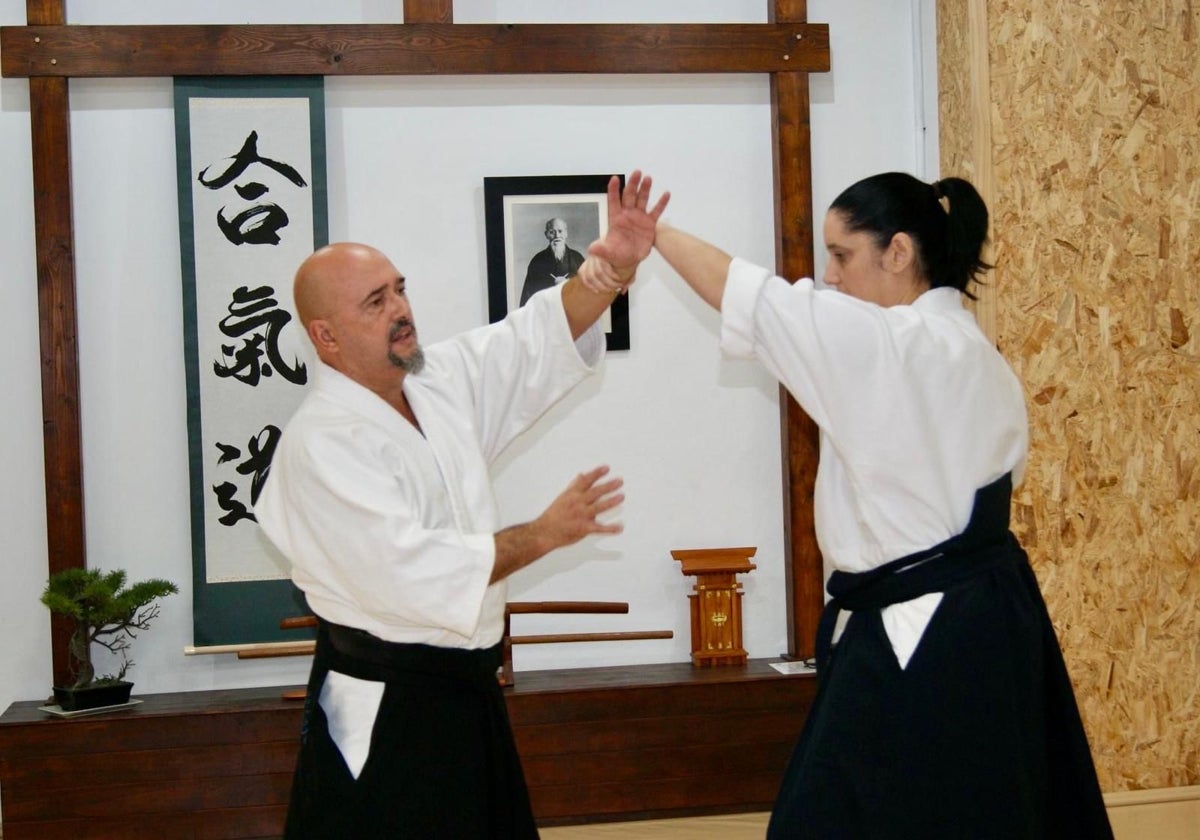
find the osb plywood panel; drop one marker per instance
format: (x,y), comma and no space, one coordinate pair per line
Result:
(954,90)
(964,93)
(1095,124)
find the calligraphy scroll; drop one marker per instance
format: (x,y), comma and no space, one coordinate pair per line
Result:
(252,206)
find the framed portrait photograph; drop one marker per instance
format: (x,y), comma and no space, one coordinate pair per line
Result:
(538,229)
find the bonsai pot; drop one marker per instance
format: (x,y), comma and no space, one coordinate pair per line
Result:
(101,610)
(93,696)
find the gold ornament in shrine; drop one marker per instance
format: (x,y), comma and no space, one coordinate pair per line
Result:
(716,603)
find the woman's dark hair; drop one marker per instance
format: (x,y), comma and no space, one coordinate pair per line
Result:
(949,240)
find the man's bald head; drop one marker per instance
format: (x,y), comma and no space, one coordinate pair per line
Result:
(325,273)
(354,308)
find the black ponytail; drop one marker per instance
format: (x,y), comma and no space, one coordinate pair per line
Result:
(949,239)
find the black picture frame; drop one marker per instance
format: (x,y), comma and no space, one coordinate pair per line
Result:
(516,212)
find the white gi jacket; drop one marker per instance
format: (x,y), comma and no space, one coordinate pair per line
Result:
(916,410)
(391,531)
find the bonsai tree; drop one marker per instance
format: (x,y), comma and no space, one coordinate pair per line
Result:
(104,611)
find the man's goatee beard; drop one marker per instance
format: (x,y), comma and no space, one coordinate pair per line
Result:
(413,364)
(559,249)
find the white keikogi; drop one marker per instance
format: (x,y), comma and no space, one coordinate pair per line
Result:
(893,478)
(389,529)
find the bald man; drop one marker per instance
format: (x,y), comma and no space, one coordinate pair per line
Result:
(553,265)
(380,497)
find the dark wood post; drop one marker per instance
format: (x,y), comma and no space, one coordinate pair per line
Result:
(794,253)
(54,237)
(429,11)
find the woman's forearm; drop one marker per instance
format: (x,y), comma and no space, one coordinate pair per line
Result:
(702,265)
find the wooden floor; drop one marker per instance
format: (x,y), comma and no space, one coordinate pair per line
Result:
(1178,821)
(1171,814)
(726,827)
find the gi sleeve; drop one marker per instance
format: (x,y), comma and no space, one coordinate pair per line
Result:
(840,357)
(515,370)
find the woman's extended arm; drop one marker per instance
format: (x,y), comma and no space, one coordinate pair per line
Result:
(702,265)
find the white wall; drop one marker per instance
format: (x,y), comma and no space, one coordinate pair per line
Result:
(695,437)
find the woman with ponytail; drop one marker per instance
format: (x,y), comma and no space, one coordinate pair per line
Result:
(944,709)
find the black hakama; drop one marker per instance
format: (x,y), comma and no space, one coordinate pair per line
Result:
(442,763)
(978,737)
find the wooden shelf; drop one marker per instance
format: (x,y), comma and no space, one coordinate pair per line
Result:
(597,744)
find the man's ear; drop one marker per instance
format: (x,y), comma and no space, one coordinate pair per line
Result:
(901,253)
(321,334)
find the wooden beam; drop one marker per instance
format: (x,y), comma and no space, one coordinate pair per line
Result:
(805,577)
(54,242)
(429,11)
(564,607)
(621,636)
(410,49)
(45,12)
(55,245)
